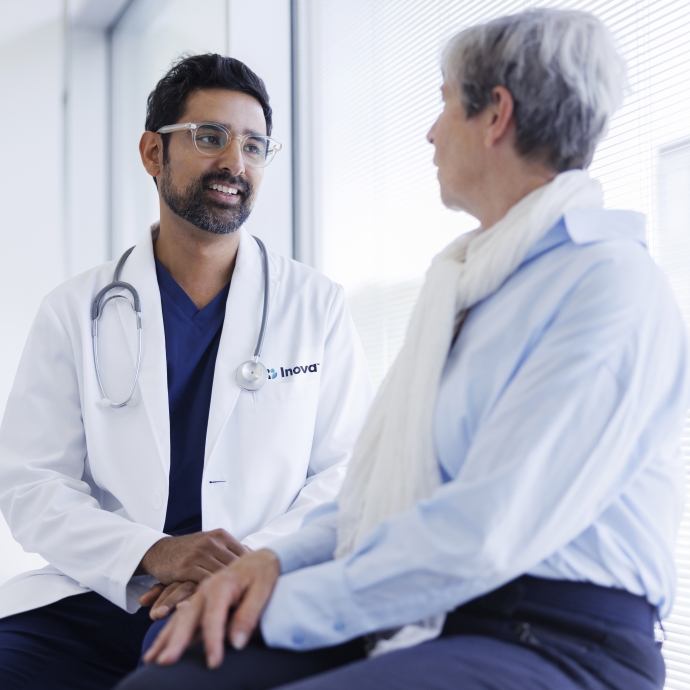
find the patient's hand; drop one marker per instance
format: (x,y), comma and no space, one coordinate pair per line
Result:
(192,557)
(246,584)
(163,599)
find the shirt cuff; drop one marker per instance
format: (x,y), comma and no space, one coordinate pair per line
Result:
(312,608)
(308,546)
(125,589)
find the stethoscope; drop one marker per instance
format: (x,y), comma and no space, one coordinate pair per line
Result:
(251,375)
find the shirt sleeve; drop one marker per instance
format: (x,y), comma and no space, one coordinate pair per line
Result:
(345,396)
(313,543)
(48,506)
(574,425)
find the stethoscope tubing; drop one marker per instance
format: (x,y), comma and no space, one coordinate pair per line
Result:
(97,309)
(100,300)
(264,314)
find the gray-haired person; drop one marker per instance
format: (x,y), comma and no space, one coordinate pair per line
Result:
(509,515)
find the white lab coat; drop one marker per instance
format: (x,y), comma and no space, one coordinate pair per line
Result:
(87,487)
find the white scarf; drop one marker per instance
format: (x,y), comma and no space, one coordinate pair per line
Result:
(394,463)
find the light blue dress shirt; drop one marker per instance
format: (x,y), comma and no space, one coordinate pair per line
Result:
(557,430)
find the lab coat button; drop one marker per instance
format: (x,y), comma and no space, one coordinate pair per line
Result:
(157,500)
(83,586)
(339,626)
(298,639)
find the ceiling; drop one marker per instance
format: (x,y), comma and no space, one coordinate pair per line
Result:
(18,17)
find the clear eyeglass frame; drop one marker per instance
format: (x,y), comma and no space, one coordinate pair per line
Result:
(251,156)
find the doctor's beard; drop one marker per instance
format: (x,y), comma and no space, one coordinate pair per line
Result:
(204,213)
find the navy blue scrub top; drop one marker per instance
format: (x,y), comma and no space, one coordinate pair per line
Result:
(192,337)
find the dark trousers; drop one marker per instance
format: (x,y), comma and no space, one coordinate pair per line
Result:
(530,634)
(80,643)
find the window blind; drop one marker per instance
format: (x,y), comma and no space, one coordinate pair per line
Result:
(368,207)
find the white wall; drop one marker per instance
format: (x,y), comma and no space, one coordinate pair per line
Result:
(32,251)
(267,52)
(86,150)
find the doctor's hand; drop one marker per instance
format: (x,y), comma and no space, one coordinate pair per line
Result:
(163,599)
(246,586)
(192,557)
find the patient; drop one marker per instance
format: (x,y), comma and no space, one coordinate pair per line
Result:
(510,513)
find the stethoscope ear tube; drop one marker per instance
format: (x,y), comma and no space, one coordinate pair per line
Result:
(97,307)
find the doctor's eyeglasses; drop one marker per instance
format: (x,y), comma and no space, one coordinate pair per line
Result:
(211,139)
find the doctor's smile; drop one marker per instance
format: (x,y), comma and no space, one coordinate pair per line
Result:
(225,191)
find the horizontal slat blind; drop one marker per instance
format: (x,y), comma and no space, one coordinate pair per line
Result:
(367,93)
(672,251)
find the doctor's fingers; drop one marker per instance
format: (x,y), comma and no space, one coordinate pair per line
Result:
(171,596)
(201,567)
(233,545)
(152,595)
(210,553)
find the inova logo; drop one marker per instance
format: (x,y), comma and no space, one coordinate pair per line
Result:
(311,368)
(272,373)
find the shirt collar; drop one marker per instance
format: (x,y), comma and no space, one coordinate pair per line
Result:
(585,226)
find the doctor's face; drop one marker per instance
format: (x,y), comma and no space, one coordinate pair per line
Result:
(215,194)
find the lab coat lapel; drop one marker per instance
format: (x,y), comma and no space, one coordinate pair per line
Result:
(140,272)
(240,332)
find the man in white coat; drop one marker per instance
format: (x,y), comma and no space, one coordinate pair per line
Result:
(135,504)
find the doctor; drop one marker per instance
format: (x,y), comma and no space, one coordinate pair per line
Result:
(136,456)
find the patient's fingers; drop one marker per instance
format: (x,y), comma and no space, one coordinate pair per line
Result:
(247,615)
(222,592)
(263,570)
(158,643)
(249,580)
(179,632)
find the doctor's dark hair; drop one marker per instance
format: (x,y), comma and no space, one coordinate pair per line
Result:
(167,102)
(562,70)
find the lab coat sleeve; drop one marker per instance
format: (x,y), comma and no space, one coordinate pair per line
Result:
(345,396)
(603,389)
(49,508)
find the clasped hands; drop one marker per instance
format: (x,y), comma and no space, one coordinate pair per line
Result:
(180,563)
(203,577)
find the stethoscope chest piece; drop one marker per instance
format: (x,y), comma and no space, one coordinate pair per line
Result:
(251,375)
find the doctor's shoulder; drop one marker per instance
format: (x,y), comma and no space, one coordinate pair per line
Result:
(71,300)
(299,282)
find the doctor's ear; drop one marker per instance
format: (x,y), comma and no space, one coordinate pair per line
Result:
(151,151)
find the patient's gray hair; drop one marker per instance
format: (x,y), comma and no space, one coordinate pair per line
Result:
(562,70)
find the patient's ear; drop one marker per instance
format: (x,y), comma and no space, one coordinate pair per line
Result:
(499,116)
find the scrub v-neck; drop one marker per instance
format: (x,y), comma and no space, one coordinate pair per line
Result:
(192,336)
